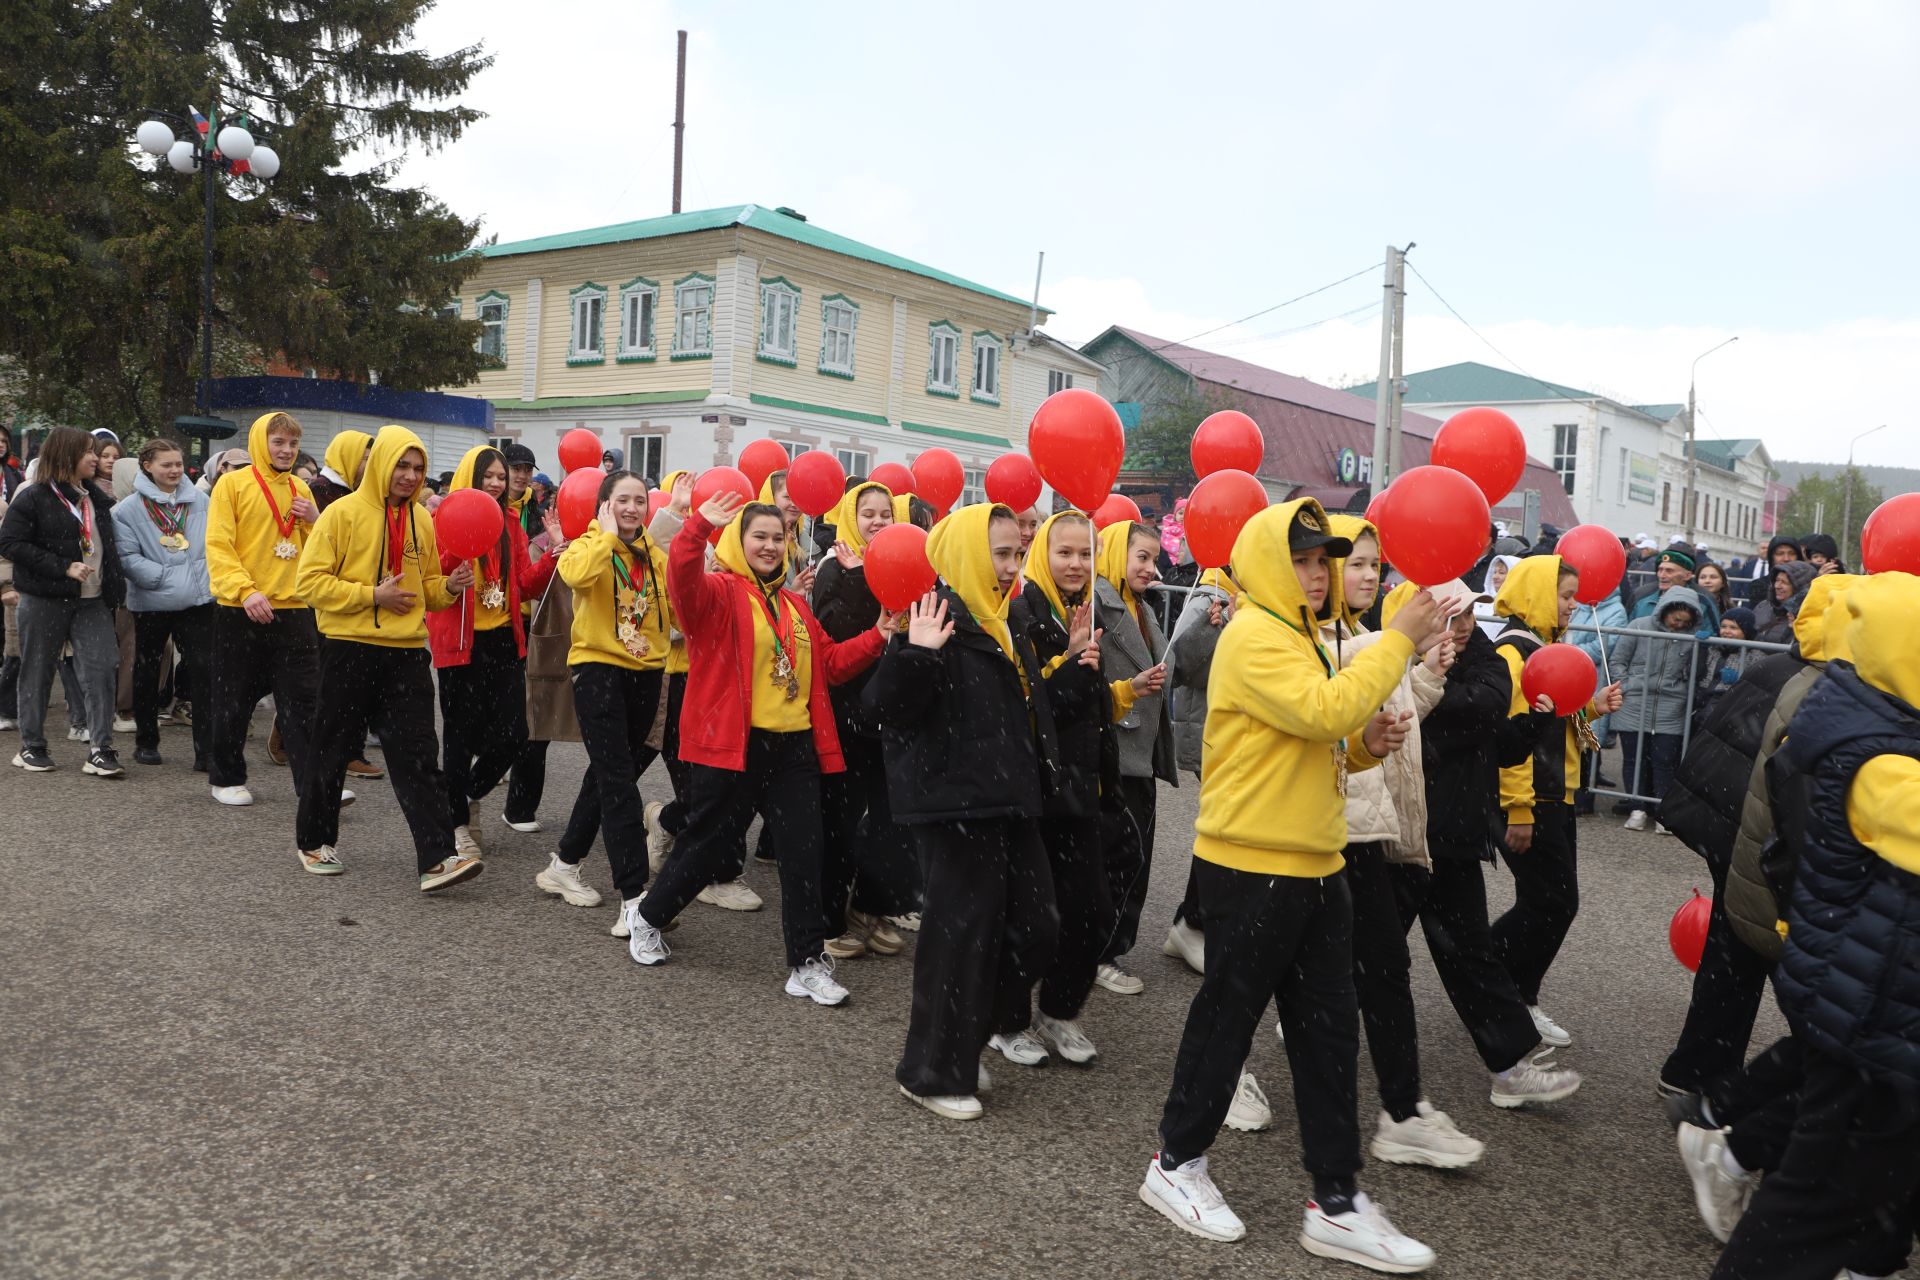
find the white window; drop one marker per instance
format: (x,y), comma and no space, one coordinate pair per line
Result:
(450,311)
(839,317)
(644,454)
(1566,451)
(975,489)
(1058,381)
(500,442)
(855,462)
(779,320)
(986,368)
(492,312)
(693,317)
(943,358)
(639,298)
(589,319)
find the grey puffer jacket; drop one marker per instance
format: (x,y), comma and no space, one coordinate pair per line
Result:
(1654,674)
(1127,647)
(1188,663)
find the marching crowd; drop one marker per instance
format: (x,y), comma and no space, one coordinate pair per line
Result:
(982,769)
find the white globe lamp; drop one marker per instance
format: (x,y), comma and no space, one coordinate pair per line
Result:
(154,137)
(235,143)
(265,162)
(181,156)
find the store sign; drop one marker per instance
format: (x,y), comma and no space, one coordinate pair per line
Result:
(1347,466)
(1643,477)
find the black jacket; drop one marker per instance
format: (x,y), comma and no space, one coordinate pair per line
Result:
(42,538)
(961,739)
(1544,732)
(1709,789)
(1464,742)
(845,607)
(1082,707)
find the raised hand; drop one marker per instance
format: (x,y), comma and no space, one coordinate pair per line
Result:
(550,525)
(1080,628)
(1090,656)
(721,508)
(680,499)
(927,623)
(847,556)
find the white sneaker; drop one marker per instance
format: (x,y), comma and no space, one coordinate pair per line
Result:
(239,796)
(909,923)
(563,879)
(1550,1031)
(659,842)
(620,929)
(346,797)
(1118,980)
(77,734)
(734,895)
(1363,1236)
(1187,1195)
(644,942)
(321,862)
(1532,1081)
(1250,1112)
(952,1107)
(1660,829)
(1188,943)
(8,722)
(1020,1048)
(1637,820)
(465,842)
(124,724)
(1066,1037)
(814,981)
(529,827)
(1428,1138)
(1720,1196)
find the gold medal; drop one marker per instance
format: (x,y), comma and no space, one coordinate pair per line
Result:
(793,686)
(1340,766)
(631,637)
(174,541)
(285,549)
(493,597)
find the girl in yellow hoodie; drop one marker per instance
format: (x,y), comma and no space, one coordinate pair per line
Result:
(371,572)
(1284,726)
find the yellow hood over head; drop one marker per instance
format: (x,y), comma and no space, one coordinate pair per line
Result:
(1352,528)
(1884,608)
(1039,566)
(961,552)
(1220,580)
(1531,593)
(1821,625)
(843,517)
(1263,563)
(731,552)
(463,477)
(345,453)
(1110,560)
(377,479)
(257,443)
(903,508)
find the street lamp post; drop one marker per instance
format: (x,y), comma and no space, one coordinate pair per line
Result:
(211,149)
(1846,507)
(1690,499)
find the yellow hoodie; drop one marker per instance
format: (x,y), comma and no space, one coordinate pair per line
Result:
(588,566)
(1821,625)
(242,531)
(345,453)
(347,557)
(772,709)
(1270,799)
(843,517)
(1883,804)
(961,553)
(1531,593)
(484,617)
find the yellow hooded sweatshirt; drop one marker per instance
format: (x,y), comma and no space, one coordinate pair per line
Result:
(1883,804)
(242,531)
(347,556)
(1270,800)
(485,618)
(1821,625)
(605,572)
(903,508)
(1531,593)
(772,709)
(345,454)
(846,527)
(961,552)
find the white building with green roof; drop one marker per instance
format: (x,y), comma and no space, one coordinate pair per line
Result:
(680,339)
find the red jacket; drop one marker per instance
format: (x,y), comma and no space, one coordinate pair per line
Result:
(715,612)
(450,631)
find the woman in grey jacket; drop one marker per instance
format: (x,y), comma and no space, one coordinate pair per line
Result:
(1654,677)
(162,532)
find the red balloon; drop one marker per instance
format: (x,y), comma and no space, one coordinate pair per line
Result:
(1433,524)
(815,482)
(1078,443)
(898,571)
(1890,539)
(1013,481)
(937,478)
(656,500)
(467,523)
(761,459)
(895,476)
(1227,441)
(1598,555)
(1376,507)
(715,481)
(1220,507)
(1116,508)
(579,449)
(1687,933)
(1562,672)
(578,501)
(1486,446)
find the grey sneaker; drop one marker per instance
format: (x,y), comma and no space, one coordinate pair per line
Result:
(1532,1081)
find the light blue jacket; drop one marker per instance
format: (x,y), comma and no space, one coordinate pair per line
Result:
(1608,613)
(159,580)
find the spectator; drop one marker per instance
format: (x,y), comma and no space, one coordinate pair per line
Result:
(1823,553)
(1675,569)
(1711,582)
(1788,587)
(1654,675)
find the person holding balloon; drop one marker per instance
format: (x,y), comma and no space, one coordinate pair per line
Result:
(371,572)
(1537,795)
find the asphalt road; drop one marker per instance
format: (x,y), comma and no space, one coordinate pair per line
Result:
(212,1065)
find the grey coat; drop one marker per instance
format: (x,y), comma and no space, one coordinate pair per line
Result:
(1188,664)
(1654,674)
(1145,734)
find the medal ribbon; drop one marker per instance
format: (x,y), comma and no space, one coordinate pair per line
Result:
(396,538)
(83,514)
(283,524)
(776,615)
(624,577)
(169,525)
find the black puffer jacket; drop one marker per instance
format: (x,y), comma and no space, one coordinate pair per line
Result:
(1082,708)
(1464,742)
(41,538)
(962,739)
(845,607)
(1709,791)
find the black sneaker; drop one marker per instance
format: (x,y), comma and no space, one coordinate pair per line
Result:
(103,764)
(146,755)
(34,760)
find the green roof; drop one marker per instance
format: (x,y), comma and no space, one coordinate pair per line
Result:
(1474,383)
(1723,453)
(759,218)
(1664,412)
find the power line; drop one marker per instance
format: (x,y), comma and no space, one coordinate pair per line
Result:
(1255,339)
(1268,310)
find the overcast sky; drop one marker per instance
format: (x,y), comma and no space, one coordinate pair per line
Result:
(1603,192)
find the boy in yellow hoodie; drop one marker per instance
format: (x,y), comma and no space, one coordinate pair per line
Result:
(264,641)
(371,571)
(1284,726)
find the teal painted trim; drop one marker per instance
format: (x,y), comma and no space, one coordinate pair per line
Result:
(585,360)
(826,372)
(943,393)
(599,356)
(953,433)
(853,337)
(587,402)
(948,325)
(786,362)
(977,398)
(701,353)
(775,402)
(629,352)
(691,355)
(648,358)
(781,281)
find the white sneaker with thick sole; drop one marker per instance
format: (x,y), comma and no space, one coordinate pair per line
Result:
(1550,1031)
(1066,1037)
(465,842)
(321,862)
(346,797)
(563,880)
(1637,820)
(1118,980)
(908,923)
(814,981)
(78,734)
(1187,1196)
(124,724)
(951,1108)
(238,797)
(529,827)
(1532,1080)
(1428,1138)
(644,942)
(1720,1196)
(659,842)
(1186,943)
(732,895)
(1250,1112)
(1020,1048)
(1363,1236)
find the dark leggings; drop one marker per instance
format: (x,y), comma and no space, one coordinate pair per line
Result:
(615,707)
(483,714)
(1546,885)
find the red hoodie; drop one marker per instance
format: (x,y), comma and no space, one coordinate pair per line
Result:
(715,612)
(450,631)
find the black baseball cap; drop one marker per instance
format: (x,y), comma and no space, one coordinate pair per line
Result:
(518,455)
(1308,531)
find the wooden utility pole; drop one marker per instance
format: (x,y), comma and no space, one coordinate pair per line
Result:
(679,118)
